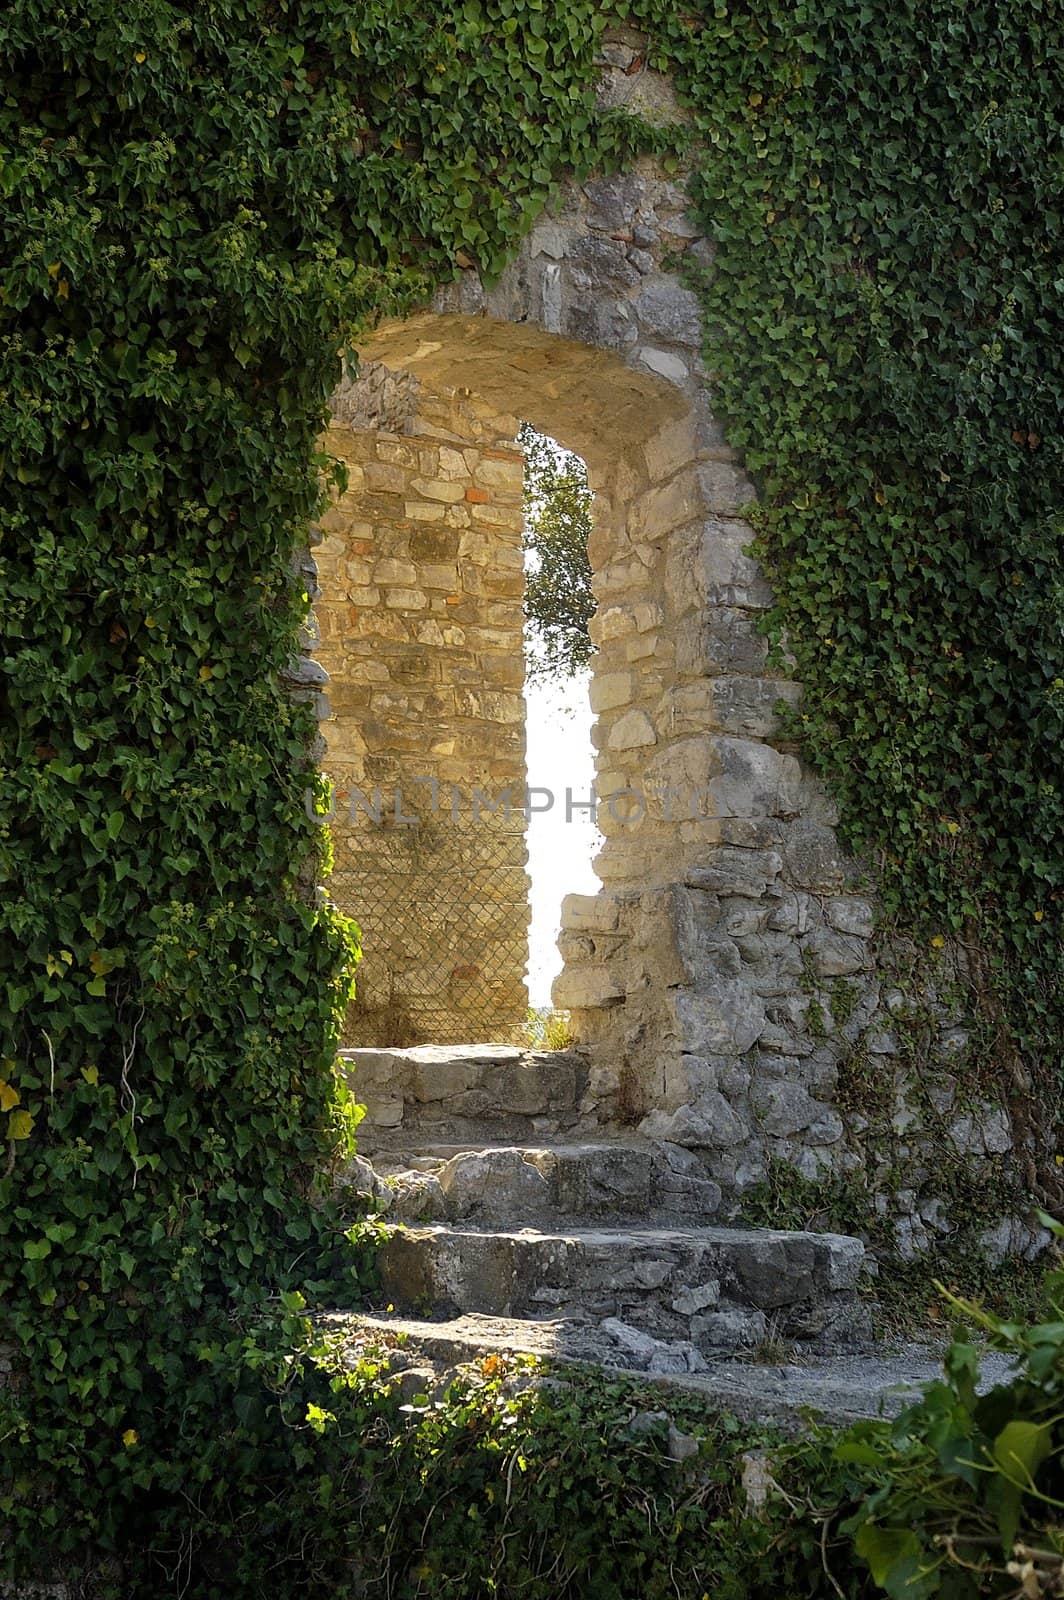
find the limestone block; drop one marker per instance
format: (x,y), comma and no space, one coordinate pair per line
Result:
(752,779)
(400,452)
(592,913)
(406,599)
(670,505)
(610,690)
(601,263)
(666,366)
(1013,1236)
(586,988)
(383,478)
(794,913)
(688,1077)
(785,1108)
(632,731)
(730,1330)
(748,706)
(417,1197)
(613,201)
(812,858)
(710,563)
(666,311)
(721,1017)
(641,1346)
(725,487)
(597,1179)
(739,917)
(837,955)
(438,575)
(493,1183)
(619,579)
(451,463)
(711,1125)
(851,915)
(391,571)
(612,623)
(720,640)
(700,1297)
(985,1130)
(732,871)
(500,474)
(641,647)
(549,239)
(497,516)
(670,448)
(602,323)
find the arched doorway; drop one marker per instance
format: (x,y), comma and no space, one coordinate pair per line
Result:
(685,974)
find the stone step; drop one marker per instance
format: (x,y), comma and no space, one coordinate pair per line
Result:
(495,1185)
(716,1288)
(837,1388)
(475,1093)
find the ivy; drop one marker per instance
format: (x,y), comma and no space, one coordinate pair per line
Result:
(885,333)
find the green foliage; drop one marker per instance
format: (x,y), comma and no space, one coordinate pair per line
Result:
(884,321)
(967,1488)
(201,206)
(559,603)
(547,1029)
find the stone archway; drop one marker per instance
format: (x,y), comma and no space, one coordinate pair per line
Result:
(726,973)
(722,886)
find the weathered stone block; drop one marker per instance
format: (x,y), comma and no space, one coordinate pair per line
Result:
(722,1017)
(631,731)
(731,871)
(725,488)
(851,915)
(495,1184)
(752,780)
(609,690)
(812,858)
(585,989)
(661,362)
(719,641)
(667,311)
(613,201)
(837,955)
(593,913)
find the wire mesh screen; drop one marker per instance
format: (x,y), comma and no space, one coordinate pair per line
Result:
(444,911)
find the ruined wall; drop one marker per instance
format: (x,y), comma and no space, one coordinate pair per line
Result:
(421,634)
(732,983)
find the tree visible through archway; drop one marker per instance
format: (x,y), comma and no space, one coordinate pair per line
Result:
(559,604)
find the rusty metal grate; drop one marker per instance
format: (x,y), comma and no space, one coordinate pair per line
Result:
(444,910)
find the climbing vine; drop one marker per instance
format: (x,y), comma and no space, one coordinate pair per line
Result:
(202,206)
(885,330)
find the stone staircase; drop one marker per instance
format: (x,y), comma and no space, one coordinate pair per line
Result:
(512,1202)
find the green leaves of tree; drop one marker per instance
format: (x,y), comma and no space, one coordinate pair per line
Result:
(559,603)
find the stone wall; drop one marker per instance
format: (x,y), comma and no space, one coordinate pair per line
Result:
(730,983)
(421,633)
